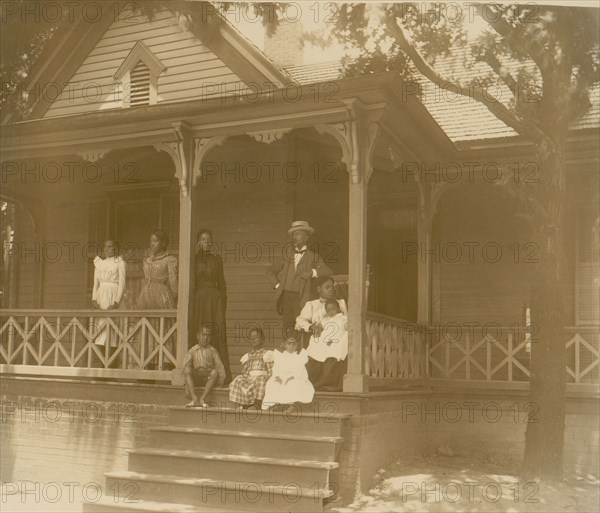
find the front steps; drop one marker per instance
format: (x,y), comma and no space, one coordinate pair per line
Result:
(225,459)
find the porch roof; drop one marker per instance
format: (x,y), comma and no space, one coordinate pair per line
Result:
(290,107)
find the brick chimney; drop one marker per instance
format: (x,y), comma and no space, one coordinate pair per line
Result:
(285,45)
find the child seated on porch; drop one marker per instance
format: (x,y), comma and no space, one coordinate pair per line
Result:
(332,340)
(289,382)
(248,389)
(202,366)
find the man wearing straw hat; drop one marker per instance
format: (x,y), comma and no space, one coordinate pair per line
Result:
(291,275)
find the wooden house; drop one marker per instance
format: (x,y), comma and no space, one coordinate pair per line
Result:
(132,124)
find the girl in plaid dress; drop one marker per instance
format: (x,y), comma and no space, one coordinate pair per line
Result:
(248,389)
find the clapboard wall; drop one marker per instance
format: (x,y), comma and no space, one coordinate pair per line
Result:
(192,69)
(248,210)
(491,281)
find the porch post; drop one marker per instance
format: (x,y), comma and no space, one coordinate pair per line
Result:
(361,132)
(182,153)
(424,271)
(186,285)
(355,379)
(423,263)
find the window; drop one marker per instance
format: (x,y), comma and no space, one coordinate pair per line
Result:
(588,269)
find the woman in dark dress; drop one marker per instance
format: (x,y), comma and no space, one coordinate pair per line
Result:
(211,295)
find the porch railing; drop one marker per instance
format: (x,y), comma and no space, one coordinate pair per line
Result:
(499,353)
(394,348)
(399,349)
(95,343)
(583,363)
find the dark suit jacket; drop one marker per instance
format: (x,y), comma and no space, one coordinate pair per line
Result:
(277,272)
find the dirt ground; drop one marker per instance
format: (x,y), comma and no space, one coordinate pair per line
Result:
(443,482)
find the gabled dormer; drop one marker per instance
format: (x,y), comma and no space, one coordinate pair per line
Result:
(138,76)
(91,67)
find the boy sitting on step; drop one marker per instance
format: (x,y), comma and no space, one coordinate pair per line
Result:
(202,366)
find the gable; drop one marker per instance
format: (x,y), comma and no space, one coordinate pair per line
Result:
(191,70)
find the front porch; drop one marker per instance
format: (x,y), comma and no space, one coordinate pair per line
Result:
(417,313)
(397,355)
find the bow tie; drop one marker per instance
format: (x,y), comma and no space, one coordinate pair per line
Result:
(300,251)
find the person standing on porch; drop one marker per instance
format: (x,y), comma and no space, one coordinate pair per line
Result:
(109,285)
(210,297)
(292,275)
(159,291)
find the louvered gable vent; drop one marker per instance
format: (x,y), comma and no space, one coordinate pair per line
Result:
(138,75)
(139,88)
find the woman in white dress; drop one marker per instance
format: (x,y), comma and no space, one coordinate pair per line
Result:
(327,362)
(109,285)
(289,382)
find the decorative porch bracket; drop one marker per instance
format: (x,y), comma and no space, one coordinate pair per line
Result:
(92,156)
(357,137)
(180,152)
(269,136)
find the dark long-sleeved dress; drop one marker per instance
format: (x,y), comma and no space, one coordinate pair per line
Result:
(210,302)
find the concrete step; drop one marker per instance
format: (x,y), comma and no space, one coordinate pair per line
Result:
(230,467)
(219,495)
(320,423)
(211,441)
(110,505)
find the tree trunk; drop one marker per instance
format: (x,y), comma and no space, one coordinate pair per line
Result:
(544,438)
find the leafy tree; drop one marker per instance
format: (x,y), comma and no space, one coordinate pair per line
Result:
(547,57)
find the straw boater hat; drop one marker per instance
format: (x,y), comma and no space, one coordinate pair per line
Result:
(301,226)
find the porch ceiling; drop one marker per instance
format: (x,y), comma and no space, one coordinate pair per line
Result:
(405,120)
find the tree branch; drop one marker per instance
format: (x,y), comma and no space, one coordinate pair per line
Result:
(493,105)
(493,62)
(511,34)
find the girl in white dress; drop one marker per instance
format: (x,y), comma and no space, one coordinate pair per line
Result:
(289,382)
(109,285)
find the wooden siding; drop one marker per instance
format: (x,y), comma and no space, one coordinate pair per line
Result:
(193,70)
(246,219)
(65,275)
(484,289)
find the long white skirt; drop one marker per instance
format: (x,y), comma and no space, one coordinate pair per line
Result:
(105,296)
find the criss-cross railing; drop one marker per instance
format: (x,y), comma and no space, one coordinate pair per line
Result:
(497,353)
(95,343)
(396,349)
(583,363)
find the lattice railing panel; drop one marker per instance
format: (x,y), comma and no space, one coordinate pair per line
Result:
(62,338)
(505,355)
(393,348)
(582,355)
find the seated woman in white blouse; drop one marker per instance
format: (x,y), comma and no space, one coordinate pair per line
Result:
(327,352)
